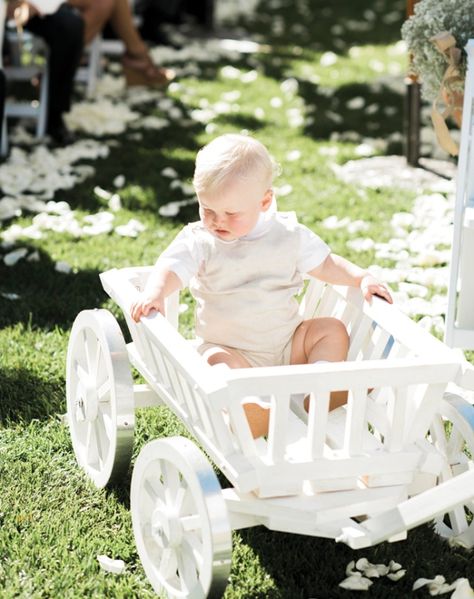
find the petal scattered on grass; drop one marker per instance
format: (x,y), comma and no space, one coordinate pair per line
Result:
(15,256)
(62,267)
(119,181)
(463,589)
(10,296)
(131,229)
(396,575)
(115,566)
(356,582)
(436,585)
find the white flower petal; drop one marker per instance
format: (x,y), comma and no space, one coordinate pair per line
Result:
(350,568)
(119,181)
(284,190)
(10,296)
(293,155)
(62,267)
(463,589)
(115,203)
(33,257)
(116,566)
(356,583)
(169,172)
(396,575)
(15,256)
(131,229)
(328,59)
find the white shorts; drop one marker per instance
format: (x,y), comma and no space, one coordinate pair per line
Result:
(256,359)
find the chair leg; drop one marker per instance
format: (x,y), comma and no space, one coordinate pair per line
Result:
(4,136)
(3,118)
(94,68)
(42,118)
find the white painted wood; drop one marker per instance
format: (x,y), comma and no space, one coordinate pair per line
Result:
(317,424)
(413,512)
(145,397)
(277,429)
(315,472)
(460,314)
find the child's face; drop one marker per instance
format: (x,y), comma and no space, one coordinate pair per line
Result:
(233,212)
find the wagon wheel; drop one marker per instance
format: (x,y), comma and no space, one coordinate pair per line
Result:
(180,520)
(99,391)
(453,434)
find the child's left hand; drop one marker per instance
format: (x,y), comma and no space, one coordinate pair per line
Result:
(370,286)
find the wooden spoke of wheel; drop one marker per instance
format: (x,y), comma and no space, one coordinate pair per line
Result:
(180,520)
(452,432)
(99,392)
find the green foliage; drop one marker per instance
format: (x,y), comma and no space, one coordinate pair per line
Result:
(430,18)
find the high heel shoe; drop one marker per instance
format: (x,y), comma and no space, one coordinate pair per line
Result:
(140,70)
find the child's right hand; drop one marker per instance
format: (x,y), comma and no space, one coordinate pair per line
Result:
(145,305)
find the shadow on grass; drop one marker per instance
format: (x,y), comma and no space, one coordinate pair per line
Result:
(305,567)
(323,26)
(141,161)
(47,298)
(369,110)
(24,396)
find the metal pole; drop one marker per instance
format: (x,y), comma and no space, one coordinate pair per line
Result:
(412,110)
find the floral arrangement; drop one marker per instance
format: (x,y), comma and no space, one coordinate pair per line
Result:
(430,18)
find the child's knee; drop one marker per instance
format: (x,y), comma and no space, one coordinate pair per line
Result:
(340,330)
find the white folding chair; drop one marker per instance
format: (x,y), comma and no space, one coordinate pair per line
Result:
(35,109)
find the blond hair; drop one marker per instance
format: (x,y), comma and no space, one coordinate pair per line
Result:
(233,156)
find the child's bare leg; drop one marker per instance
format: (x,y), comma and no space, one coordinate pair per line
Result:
(321,339)
(257,414)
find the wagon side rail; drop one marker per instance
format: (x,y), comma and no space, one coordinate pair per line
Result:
(342,449)
(182,379)
(379,329)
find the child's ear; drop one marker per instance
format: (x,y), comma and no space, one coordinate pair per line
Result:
(267,200)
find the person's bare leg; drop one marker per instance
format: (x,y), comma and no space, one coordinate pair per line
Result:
(321,339)
(95,14)
(257,415)
(121,21)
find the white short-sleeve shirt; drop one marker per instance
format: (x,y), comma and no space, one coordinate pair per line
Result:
(244,289)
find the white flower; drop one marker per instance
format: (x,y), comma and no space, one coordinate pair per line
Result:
(430,18)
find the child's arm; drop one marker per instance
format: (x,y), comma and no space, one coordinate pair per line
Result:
(161,283)
(339,271)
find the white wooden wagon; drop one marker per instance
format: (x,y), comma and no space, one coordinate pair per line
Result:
(363,473)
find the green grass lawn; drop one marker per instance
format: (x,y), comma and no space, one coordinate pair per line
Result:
(53,522)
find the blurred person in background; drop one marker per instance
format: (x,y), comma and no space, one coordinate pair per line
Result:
(63,32)
(138,66)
